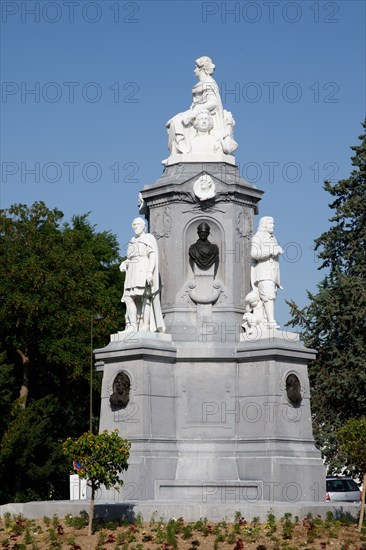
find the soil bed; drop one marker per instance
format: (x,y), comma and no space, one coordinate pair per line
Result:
(286,533)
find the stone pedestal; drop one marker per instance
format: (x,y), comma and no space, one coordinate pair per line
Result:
(213,422)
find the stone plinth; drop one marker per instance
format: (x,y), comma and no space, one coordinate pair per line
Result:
(212,422)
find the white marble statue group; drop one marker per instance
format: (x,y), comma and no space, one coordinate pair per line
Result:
(142,288)
(205,130)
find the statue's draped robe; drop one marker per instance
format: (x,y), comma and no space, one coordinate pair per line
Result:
(205,95)
(139,263)
(264,267)
(204,253)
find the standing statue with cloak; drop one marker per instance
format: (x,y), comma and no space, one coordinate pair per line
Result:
(141,289)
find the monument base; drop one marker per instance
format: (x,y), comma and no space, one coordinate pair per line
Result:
(213,423)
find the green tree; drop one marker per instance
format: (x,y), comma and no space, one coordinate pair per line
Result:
(352,439)
(334,322)
(102,458)
(54,278)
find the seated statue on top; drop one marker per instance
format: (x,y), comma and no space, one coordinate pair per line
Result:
(187,134)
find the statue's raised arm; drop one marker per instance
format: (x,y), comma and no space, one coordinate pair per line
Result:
(191,139)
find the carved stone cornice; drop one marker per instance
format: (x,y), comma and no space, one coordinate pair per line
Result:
(184,175)
(232,196)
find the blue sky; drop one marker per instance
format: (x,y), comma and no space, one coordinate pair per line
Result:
(108,75)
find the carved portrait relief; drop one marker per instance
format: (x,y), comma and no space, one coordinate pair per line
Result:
(293,389)
(121,391)
(204,188)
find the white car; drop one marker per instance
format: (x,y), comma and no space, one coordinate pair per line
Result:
(342,489)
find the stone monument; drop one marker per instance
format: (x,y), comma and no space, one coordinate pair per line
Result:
(215,397)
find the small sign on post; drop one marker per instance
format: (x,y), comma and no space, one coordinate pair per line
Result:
(77,488)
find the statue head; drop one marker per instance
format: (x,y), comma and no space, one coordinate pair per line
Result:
(205,63)
(293,389)
(252,298)
(203,121)
(266,224)
(121,391)
(139,226)
(203,231)
(121,383)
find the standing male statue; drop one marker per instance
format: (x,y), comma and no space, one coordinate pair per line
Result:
(141,289)
(265,273)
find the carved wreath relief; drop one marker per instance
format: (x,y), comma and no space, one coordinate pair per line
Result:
(163,224)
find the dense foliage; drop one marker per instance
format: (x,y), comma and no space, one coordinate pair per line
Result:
(334,322)
(352,439)
(55,278)
(102,458)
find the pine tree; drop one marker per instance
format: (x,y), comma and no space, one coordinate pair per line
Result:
(334,322)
